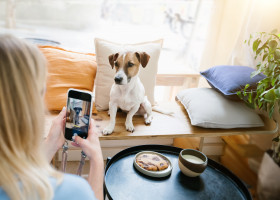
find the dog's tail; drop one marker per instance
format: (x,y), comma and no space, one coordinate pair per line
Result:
(162,111)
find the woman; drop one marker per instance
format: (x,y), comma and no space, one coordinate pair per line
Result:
(25,172)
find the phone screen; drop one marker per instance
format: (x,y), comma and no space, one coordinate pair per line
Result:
(77,114)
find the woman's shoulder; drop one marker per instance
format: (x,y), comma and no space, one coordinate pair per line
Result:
(3,195)
(72,187)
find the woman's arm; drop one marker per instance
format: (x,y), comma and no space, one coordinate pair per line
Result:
(91,147)
(55,138)
(96,175)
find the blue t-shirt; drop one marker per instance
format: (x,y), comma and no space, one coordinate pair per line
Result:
(72,187)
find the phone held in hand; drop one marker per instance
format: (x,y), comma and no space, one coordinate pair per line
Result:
(78,113)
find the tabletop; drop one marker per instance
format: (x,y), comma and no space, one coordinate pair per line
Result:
(123,181)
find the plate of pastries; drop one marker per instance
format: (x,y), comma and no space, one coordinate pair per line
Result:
(152,164)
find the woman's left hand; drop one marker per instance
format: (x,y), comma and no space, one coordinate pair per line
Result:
(55,138)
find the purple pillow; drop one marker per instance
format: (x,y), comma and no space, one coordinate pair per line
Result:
(228,79)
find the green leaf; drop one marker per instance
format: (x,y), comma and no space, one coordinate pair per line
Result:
(256,44)
(277,92)
(270,95)
(239,94)
(264,107)
(255,73)
(260,103)
(259,51)
(250,105)
(260,85)
(249,41)
(264,57)
(263,47)
(278,35)
(250,97)
(271,111)
(273,44)
(273,81)
(277,55)
(271,67)
(246,86)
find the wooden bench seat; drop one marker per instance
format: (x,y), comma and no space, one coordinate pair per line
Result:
(166,126)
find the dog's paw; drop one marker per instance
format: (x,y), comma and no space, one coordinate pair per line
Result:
(129,127)
(148,120)
(108,130)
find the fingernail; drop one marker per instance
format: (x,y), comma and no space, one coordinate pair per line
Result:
(73,137)
(63,108)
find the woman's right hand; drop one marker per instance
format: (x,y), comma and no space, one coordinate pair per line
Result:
(91,145)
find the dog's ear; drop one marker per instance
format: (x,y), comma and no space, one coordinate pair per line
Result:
(113,58)
(143,58)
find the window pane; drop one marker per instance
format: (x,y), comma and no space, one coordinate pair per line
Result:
(74,24)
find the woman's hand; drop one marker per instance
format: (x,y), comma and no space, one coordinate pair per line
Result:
(55,138)
(91,145)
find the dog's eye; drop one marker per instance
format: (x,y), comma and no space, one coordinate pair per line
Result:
(116,64)
(130,64)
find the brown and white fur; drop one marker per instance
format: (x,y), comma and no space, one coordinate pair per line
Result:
(128,93)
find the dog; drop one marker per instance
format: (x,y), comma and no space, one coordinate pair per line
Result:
(77,117)
(128,93)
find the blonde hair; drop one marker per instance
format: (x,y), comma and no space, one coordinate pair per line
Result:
(24,169)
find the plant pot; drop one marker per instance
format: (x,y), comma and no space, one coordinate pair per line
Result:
(268,179)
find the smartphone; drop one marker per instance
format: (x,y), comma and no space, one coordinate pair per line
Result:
(78,113)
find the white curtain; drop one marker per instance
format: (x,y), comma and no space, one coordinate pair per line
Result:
(232,23)
(264,16)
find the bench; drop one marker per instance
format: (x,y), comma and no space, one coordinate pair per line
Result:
(164,128)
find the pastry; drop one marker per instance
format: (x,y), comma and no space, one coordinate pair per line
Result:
(152,162)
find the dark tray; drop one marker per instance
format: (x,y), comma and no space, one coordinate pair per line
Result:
(123,181)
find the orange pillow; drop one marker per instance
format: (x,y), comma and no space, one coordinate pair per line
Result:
(67,69)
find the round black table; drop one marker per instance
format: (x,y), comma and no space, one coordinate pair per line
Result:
(123,181)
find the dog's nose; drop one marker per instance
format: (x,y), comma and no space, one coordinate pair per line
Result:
(118,79)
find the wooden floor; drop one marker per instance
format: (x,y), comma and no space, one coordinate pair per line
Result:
(231,159)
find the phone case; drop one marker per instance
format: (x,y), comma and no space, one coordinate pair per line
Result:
(91,102)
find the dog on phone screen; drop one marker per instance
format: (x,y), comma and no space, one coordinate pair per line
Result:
(128,93)
(77,115)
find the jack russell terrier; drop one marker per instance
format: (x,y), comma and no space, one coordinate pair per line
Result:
(128,93)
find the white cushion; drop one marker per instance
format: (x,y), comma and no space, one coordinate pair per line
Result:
(105,74)
(209,109)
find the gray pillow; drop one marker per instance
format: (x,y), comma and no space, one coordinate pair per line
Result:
(209,109)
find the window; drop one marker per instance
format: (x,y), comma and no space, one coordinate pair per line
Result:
(74,24)
(182,23)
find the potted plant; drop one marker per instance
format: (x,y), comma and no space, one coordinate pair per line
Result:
(266,97)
